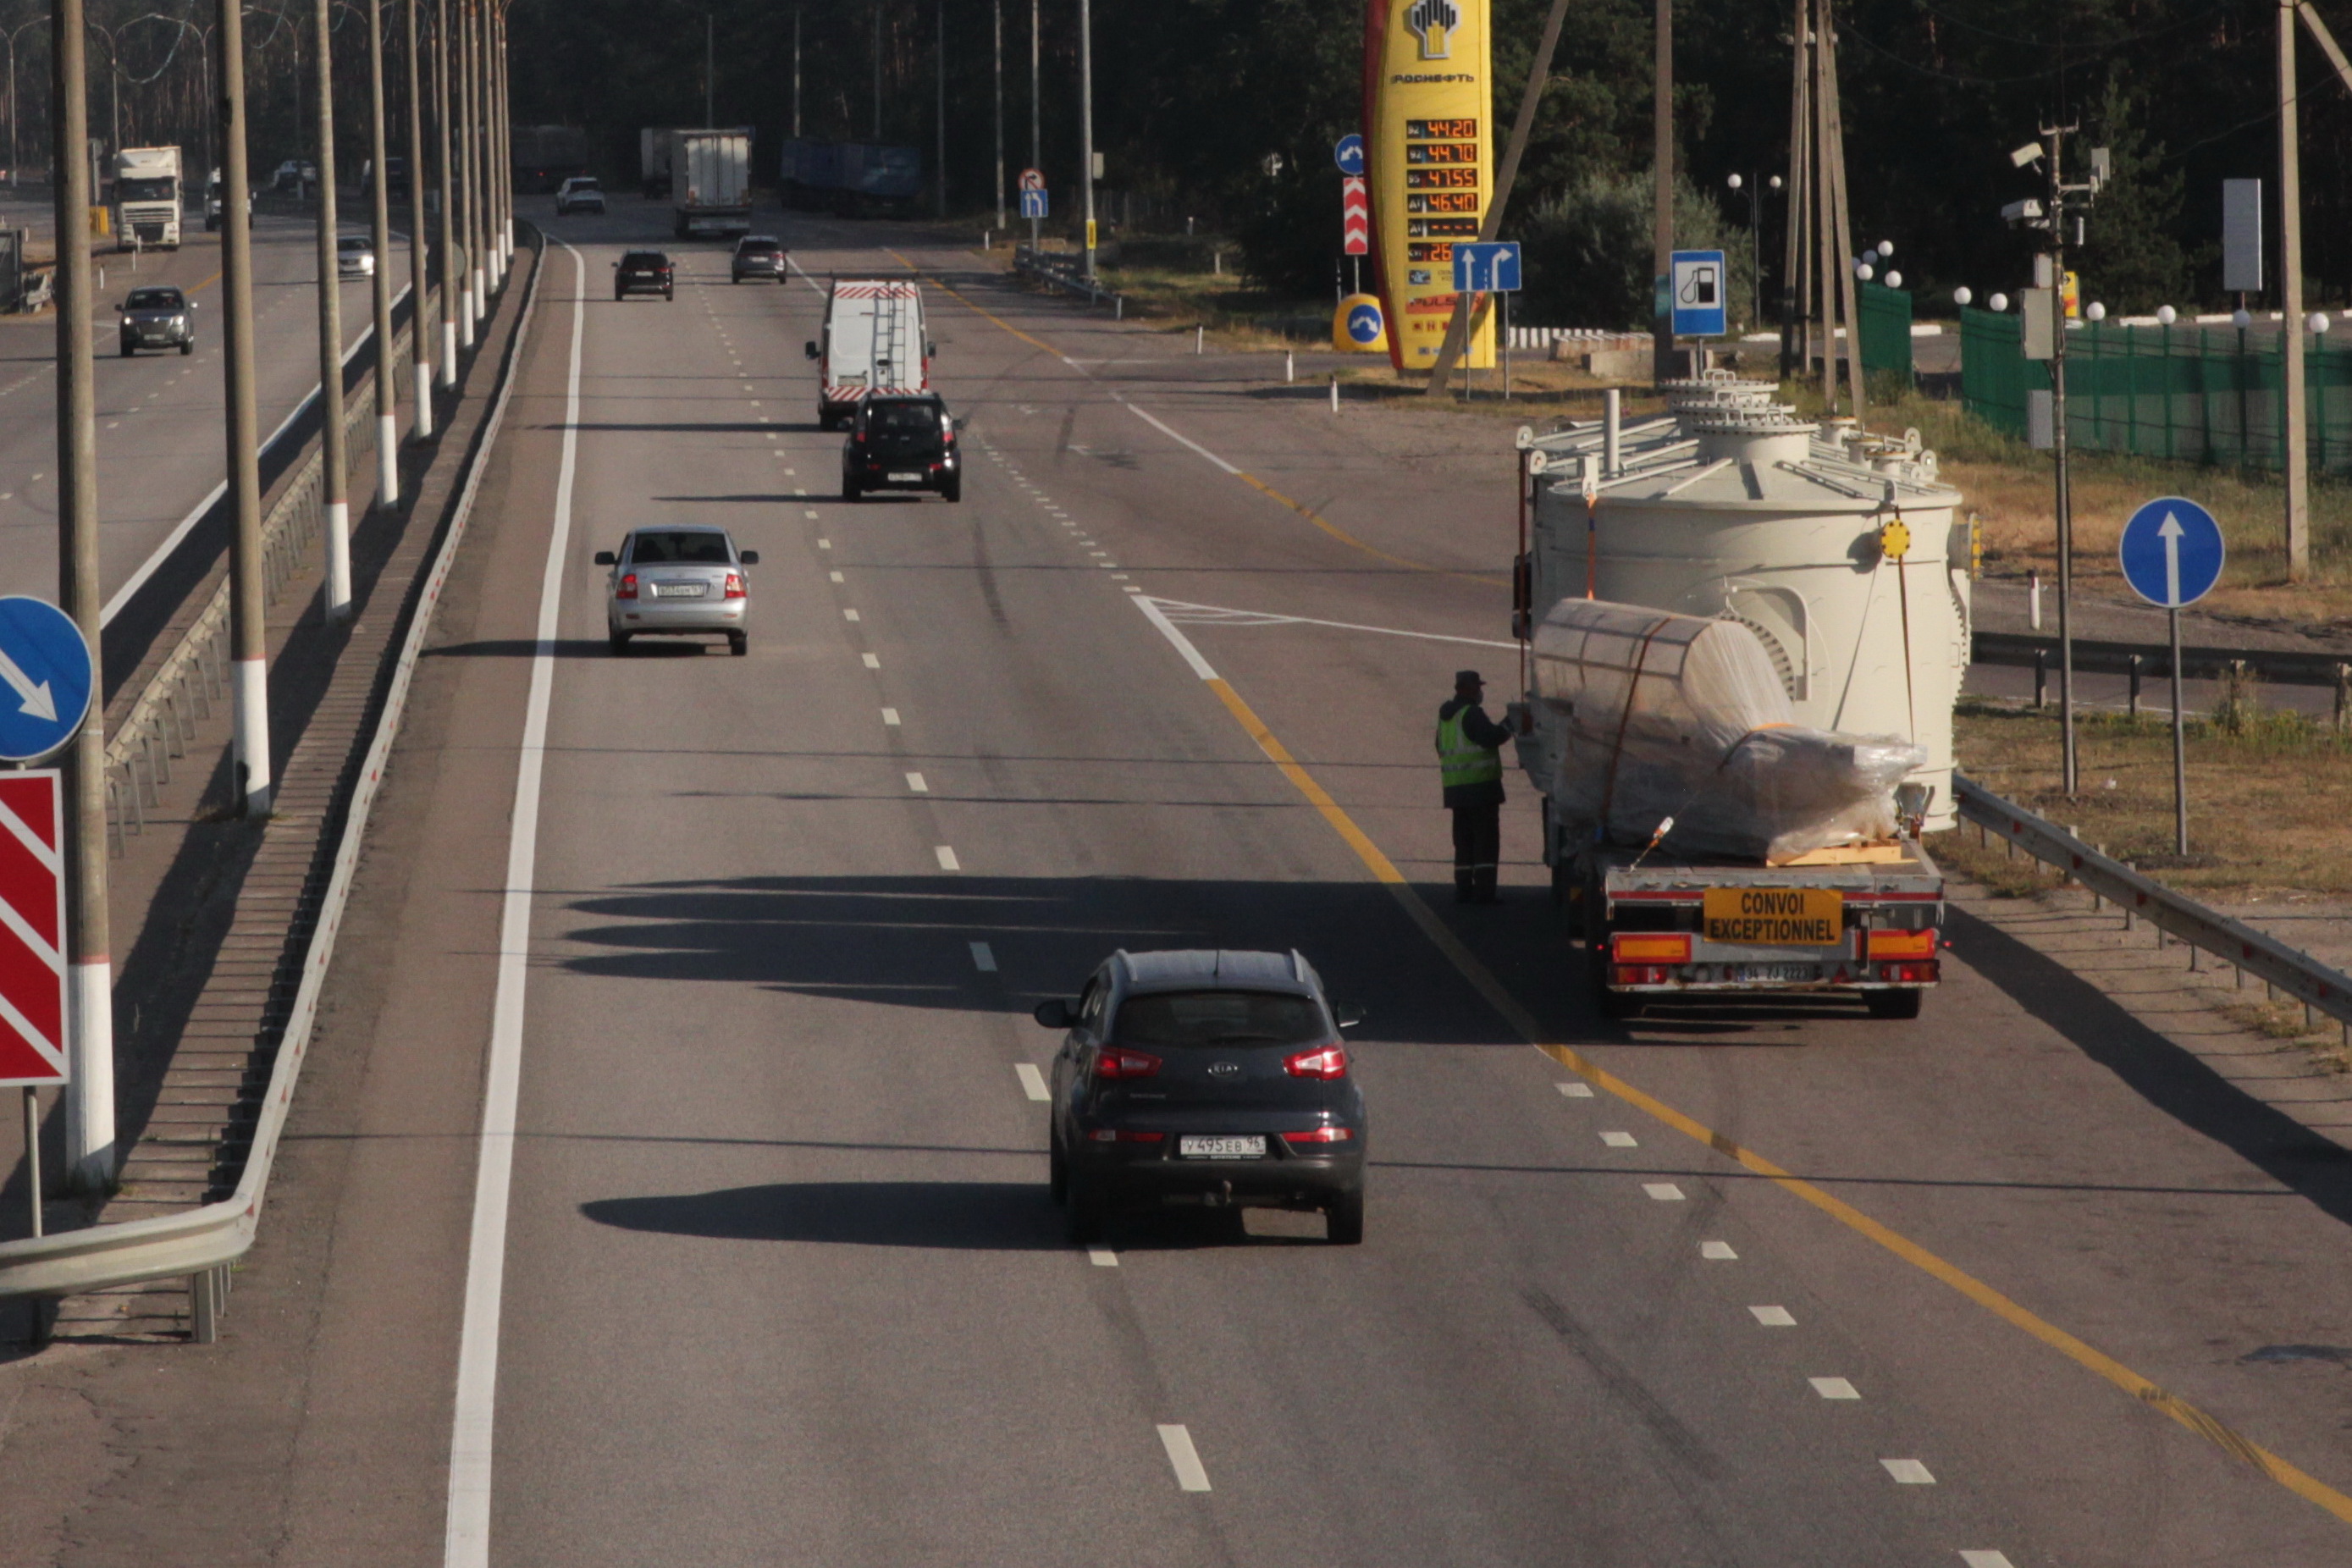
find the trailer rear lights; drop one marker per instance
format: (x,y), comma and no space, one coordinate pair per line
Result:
(1902,944)
(1910,973)
(1670,947)
(1642,975)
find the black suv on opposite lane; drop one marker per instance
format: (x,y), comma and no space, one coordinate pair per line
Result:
(759,256)
(901,444)
(643,272)
(158,318)
(1208,1077)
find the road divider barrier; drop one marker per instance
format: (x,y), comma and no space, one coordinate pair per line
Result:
(1067,274)
(2288,970)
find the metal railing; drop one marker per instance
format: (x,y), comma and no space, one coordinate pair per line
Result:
(1055,272)
(2288,970)
(161,719)
(202,1242)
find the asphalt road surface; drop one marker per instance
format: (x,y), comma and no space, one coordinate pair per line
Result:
(758,1265)
(161,439)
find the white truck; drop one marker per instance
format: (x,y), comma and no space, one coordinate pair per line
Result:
(147,199)
(873,342)
(710,182)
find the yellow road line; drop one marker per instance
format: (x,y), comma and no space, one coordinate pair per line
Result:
(1309,512)
(1482,980)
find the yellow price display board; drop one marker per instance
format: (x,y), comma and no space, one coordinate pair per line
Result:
(1429,115)
(1777,917)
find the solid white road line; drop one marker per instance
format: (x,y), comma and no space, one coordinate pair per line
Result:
(1665,1192)
(1774,1317)
(1576,1091)
(466,1543)
(1833,1388)
(1619,1140)
(948,861)
(1104,1258)
(984,958)
(1176,436)
(1908,1472)
(1190,1475)
(1223,615)
(1716,1251)
(1033,1083)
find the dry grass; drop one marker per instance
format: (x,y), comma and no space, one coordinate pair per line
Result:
(2266,793)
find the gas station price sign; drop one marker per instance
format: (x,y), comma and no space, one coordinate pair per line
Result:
(1443,202)
(1442,228)
(1428,127)
(1440,179)
(1419,152)
(1438,251)
(1440,130)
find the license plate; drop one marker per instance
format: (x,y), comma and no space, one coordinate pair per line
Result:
(905,479)
(1775,917)
(1228,1148)
(677,590)
(1771,973)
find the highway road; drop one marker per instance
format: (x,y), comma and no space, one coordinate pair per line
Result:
(160,437)
(758,1265)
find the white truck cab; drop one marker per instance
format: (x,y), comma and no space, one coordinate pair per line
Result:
(873,342)
(147,197)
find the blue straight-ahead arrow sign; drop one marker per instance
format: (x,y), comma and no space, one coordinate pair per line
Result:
(2172,551)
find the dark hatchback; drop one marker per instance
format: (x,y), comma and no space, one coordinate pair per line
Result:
(901,444)
(643,272)
(1205,1078)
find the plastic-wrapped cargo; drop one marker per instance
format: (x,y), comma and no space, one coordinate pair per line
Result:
(1643,714)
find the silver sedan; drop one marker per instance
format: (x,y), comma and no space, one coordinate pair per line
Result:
(678,579)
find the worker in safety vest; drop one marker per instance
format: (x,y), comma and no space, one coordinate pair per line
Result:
(1469,747)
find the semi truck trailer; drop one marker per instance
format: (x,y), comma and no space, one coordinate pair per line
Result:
(147,199)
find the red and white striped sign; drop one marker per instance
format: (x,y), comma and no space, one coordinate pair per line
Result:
(32,929)
(1355,215)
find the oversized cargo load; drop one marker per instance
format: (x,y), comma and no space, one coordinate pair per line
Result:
(1646,717)
(849,178)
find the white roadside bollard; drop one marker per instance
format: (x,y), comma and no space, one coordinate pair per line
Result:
(1335,391)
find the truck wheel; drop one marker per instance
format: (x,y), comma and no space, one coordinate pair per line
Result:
(1893,1003)
(1344,1218)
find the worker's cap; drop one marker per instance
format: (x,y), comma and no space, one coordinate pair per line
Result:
(1467,678)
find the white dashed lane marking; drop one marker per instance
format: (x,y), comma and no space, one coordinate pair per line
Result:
(1774,1317)
(1985,1560)
(915,782)
(873,661)
(890,717)
(1033,1083)
(1908,1472)
(1576,1091)
(1104,1258)
(1190,1475)
(1665,1192)
(1620,1139)
(1833,1388)
(984,958)
(1716,1251)
(850,615)
(948,861)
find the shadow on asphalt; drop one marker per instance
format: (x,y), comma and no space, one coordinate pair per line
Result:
(2170,1078)
(977,1216)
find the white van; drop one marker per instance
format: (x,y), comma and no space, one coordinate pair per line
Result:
(874,341)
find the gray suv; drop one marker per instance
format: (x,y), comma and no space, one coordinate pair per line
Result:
(158,318)
(759,256)
(1208,1077)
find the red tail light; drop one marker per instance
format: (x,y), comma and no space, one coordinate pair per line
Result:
(1328,1062)
(1320,1135)
(1641,973)
(1119,1062)
(628,588)
(1924,974)
(734,586)
(1117,1135)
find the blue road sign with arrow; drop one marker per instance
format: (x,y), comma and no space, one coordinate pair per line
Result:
(1487,266)
(45,678)
(1349,154)
(2172,551)
(1032,204)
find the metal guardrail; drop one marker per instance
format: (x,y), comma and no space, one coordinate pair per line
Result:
(201,1242)
(2282,666)
(194,676)
(2292,973)
(1056,273)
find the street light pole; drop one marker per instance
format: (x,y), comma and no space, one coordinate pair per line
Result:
(334,468)
(1036,137)
(797,73)
(998,9)
(89,1016)
(1087,121)
(387,416)
(420,324)
(461,89)
(248,587)
(445,179)
(939,96)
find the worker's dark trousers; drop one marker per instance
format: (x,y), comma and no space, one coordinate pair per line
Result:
(1477,852)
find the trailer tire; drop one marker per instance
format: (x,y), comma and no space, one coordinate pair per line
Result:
(1893,1003)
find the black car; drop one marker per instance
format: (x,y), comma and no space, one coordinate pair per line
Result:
(644,272)
(759,256)
(902,443)
(1209,1077)
(158,318)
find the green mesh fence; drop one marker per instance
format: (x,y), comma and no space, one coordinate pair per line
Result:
(2199,393)
(1885,330)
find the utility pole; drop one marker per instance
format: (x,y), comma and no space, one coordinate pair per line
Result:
(334,469)
(387,416)
(2065,494)
(877,73)
(461,69)
(1036,137)
(2295,419)
(710,69)
(1086,120)
(1795,344)
(90,1003)
(248,587)
(998,7)
(797,73)
(939,95)
(446,175)
(420,334)
(496,164)
(1662,198)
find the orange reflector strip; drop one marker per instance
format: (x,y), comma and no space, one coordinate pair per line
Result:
(1662,948)
(1903,944)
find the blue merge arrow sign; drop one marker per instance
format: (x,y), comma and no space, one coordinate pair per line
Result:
(44,678)
(2172,551)
(1349,154)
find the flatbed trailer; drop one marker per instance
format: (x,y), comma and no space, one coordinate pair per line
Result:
(1657,927)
